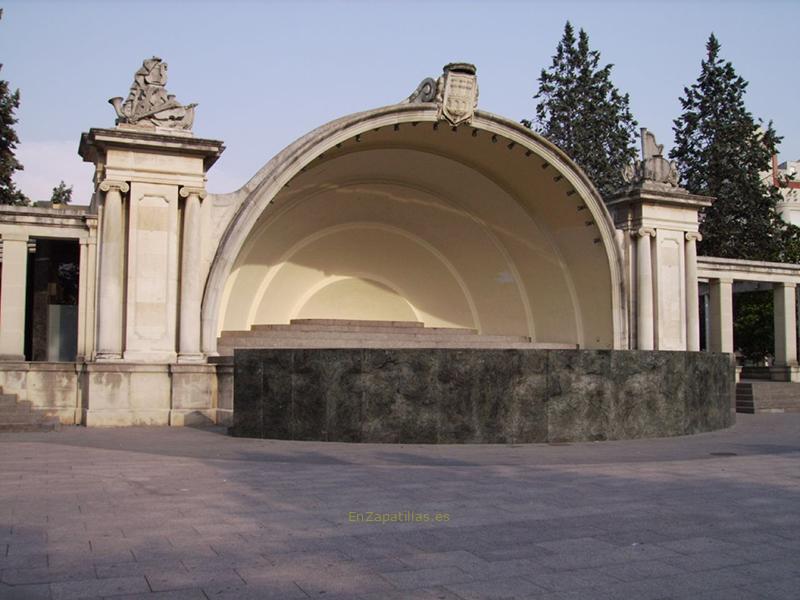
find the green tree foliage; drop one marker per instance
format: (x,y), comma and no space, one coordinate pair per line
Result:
(753,328)
(9,102)
(61,194)
(723,152)
(581,111)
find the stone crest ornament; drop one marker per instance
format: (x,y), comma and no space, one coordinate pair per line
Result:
(457,93)
(653,166)
(149,104)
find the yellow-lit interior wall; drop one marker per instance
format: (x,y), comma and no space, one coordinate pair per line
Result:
(417,233)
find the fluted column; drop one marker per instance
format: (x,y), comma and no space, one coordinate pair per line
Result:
(692,300)
(191,285)
(644,289)
(112,251)
(12,296)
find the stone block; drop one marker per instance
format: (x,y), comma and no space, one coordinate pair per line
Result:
(648,394)
(579,395)
(326,395)
(401,396)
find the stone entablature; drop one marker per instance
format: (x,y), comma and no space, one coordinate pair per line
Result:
(712,267)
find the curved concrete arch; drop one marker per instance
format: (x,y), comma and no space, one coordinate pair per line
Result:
(331,279)
(318,235)
(448,200)
(259,192)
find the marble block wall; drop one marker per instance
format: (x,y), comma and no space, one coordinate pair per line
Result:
(478,395)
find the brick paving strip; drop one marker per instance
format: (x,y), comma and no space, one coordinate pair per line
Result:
(152,513)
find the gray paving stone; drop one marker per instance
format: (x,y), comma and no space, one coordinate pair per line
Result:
(509,589)
(25,592)
(729,594)
(171,595)
(256,591)
(645,569)
(45,575)
(91,588)
(420,578)
(435,593)
(635,519)
(162,580)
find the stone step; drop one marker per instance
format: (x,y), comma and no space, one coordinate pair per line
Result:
(15,413)
(355,322)
(382,338)
(225,350)
(309,327)
(7,400)
(40,426)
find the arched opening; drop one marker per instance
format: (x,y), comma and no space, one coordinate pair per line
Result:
(393,215)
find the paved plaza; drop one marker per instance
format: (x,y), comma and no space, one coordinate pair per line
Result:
(189,514)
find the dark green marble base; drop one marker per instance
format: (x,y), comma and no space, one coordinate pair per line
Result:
(479,396)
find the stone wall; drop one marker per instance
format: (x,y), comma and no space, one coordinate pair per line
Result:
(479,396)
(119,394)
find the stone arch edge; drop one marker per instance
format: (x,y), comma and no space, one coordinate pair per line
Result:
(254,197)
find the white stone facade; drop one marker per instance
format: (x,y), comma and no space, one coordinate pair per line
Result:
(400,213)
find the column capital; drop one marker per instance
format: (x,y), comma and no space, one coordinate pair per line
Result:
(693,236)
(15,237)
(726,280)
(643,232)
(110,184)
(187,191)
(786,284)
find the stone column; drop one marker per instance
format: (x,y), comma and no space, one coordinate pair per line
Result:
(692,299)
(721,315)
(12,296)
(82,303)
(112,251)
(785,324)
(86,298)
(644,289)
(191,285)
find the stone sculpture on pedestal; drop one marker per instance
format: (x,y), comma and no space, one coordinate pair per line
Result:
(653,167)
(149,105)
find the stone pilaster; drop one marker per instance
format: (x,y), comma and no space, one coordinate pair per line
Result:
(191,284)
(112,244)
(12,297)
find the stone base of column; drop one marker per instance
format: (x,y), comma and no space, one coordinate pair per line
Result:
(785,373)
(150,356)
(194,394)
(191,357)
(108,357)
(12,357)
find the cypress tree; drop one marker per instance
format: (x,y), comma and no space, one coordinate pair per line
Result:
(9,102)
(583,113)
(723,152)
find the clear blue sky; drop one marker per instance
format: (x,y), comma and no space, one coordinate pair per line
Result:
(264,73)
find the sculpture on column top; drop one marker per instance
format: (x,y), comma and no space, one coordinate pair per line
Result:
(149,104)
(653,166)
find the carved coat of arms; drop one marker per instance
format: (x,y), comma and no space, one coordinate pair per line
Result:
(459,93)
